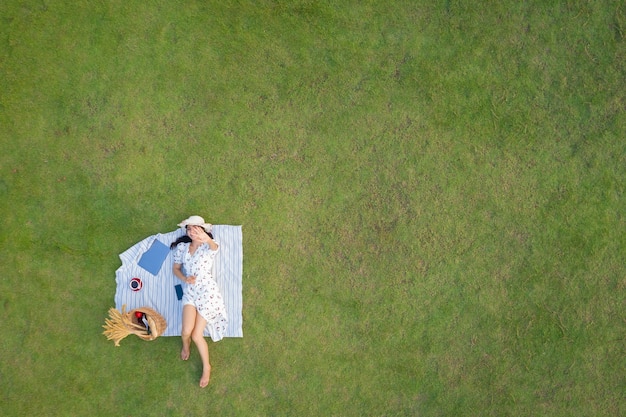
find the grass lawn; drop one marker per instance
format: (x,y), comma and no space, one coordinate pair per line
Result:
(432,197)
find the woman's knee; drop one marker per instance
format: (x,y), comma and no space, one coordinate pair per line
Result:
(197,335)
(186,333)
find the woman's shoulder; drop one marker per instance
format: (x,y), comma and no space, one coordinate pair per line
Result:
(182,245)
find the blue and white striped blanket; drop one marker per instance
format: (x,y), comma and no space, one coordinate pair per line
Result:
(158,291)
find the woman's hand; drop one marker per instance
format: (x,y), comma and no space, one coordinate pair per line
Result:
(194,232)
(197,233)
(190,280)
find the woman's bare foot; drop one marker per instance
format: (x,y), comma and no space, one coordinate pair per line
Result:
(184,353)
(206,375)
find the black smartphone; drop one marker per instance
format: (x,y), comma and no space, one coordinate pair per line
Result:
(179,291)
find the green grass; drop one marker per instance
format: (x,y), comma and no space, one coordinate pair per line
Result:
(432,199)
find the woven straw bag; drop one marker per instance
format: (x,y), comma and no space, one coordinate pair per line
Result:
(119,325)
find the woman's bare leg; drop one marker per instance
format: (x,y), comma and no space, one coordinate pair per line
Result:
(189,321)
(203,348)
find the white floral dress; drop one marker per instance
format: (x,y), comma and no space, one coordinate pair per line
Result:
(204,295)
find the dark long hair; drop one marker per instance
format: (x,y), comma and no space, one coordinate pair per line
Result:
(186,239)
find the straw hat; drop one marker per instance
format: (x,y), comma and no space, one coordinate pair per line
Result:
(195,221)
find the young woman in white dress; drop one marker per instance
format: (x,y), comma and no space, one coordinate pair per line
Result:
(203,304)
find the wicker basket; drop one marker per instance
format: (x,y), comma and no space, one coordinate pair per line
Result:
(119,325)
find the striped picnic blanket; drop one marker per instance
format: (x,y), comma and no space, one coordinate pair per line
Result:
(158,291)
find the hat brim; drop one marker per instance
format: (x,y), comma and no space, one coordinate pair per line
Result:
(205,226)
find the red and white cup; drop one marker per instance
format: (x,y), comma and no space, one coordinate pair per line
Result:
(136,284)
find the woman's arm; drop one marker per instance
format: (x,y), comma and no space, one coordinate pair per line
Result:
(212,244)
(178,272)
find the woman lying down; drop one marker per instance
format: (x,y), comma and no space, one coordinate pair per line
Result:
(203,304)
